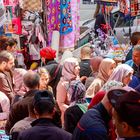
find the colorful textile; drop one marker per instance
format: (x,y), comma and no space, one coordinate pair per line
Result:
(124,6)
(68,41)
(3,136)
(53,17)
(135,7)
(66,17)
(77,92)
(106,2)
(31,5)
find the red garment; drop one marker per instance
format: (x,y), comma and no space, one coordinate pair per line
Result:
(96,99)
(48,53)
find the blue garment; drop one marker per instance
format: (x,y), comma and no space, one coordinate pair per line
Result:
(93,125)
(130,63)
(136,77)
(65,17)
(134,82)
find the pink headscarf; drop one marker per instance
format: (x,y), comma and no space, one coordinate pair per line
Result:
(68,69)
(95,62)
(120,72)
(104,69)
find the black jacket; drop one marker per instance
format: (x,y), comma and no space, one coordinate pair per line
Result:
(55,71)
(44,129)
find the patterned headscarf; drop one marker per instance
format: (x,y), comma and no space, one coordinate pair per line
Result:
(48,53)
(68,69)
(76,92)
(104,69)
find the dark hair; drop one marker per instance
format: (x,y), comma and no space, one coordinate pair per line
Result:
(135,38)
(3,42)
(31,106)
(5,56)
(11,42)
(31,79)
(44,102)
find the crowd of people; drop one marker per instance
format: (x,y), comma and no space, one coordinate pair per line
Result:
(92,99)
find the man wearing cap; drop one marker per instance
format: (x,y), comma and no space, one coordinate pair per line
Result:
(94,123)
(47,56)
(126,113)
(44,128)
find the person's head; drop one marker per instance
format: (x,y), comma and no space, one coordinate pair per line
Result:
(47,54)
(6,61)
(126,112)
(135,38)
(106,68)
(44,78)
(122,73)
(44,104)
(95,63)
(136,55)
(31,80)
(70,69)
(12,45)
(86,52)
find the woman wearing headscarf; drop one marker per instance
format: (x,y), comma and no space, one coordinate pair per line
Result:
(69,86)
(121,76)
(94,65)
(105,69)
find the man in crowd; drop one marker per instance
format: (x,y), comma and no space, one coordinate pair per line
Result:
(94,123)
(44,128)
(19,110)
(126,113)
(135,64)
(6,77)
(85,69)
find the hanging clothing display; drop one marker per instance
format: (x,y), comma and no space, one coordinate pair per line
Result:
(69,40)
(135,7)
(65,17)
(31,5)
(124,6)
(106,2)
(52,17)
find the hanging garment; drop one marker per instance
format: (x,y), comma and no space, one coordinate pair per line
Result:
(66,17)
(135,7)
(106,2)
(53,17)
(69,40)
(124,7)
(31,5)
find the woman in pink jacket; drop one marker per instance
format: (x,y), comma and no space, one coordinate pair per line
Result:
(70,74)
